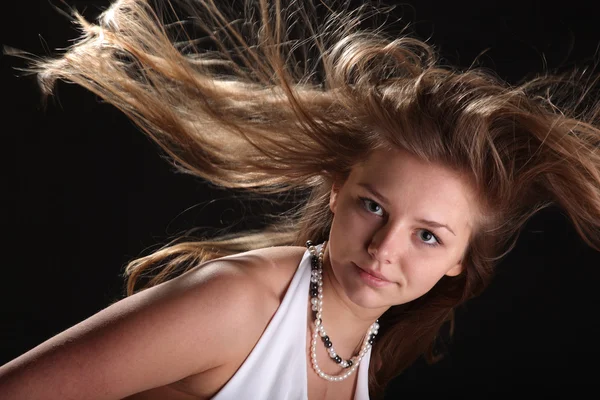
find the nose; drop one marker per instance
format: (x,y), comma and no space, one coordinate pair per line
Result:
(385,245)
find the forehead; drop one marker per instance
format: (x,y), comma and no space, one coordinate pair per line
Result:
(413,185)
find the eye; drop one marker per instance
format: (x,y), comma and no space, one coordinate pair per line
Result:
(372,206)
(428,238)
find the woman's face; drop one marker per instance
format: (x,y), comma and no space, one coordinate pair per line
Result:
(402,219)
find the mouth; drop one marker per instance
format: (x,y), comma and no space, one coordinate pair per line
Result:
(372,278)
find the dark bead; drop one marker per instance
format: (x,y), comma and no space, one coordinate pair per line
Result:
(309,243)
(314,293)
(349,364)
(325,338)
(328,344)
(371,340)
(338,359)
(314,286)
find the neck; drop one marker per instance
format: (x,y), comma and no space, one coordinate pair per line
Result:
(346,323)
(344,316)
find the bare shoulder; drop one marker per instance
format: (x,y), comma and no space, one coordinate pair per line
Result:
(260,275)
(270,268)
(257,270)
(179,328)
(239,293)
(264,276)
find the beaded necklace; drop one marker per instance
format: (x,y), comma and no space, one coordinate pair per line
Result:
(316,299)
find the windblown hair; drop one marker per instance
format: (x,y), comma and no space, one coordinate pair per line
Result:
(271,106)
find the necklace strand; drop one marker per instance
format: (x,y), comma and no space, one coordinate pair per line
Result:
(316,300)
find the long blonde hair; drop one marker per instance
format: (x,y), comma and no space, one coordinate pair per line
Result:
(271,106)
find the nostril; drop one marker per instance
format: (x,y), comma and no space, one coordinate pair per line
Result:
(372,252)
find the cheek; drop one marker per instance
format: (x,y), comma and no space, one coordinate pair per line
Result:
(422,275)
(349,223)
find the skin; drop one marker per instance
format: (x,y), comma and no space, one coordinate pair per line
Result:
(376,228)
(240,294)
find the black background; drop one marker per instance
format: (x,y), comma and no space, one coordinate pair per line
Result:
(85,192)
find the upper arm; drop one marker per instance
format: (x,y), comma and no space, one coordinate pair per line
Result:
(152,338)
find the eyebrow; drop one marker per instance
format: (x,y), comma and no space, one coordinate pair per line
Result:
(436,225)
(384,199)
(374,192)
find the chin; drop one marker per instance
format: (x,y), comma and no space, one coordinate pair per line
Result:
(365,297)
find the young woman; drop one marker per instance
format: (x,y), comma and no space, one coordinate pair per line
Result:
(414,180)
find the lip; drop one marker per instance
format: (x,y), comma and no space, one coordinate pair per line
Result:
(372,278)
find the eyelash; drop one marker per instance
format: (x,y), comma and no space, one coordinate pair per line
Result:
(365,200)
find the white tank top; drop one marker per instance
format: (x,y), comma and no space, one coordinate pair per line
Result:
(276,368)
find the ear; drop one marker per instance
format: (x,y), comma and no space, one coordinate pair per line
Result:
(333,196)
(456,270)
